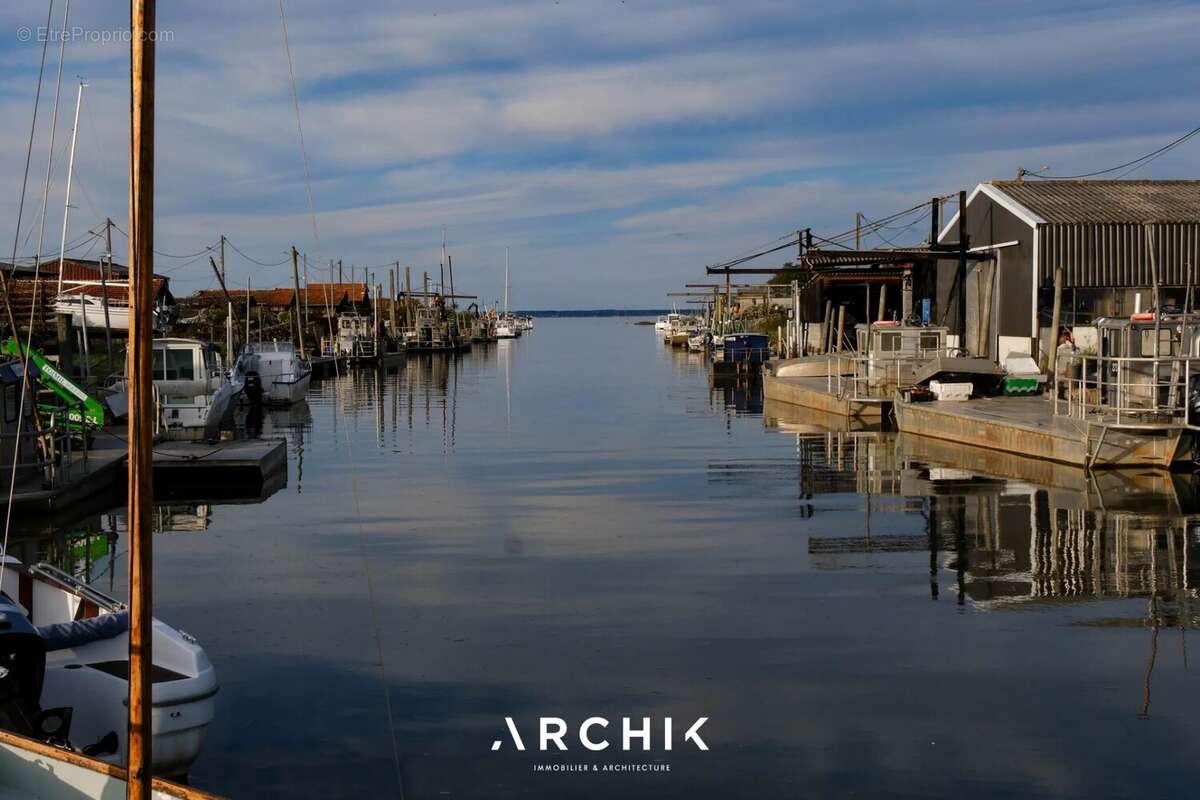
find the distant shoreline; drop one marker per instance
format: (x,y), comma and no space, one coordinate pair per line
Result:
(595,312)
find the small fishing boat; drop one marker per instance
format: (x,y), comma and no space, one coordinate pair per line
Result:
(285,376)
(356,338)
(681,334)
(660,324)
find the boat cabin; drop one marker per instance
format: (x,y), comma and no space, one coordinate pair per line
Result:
(894,340)
(1132,372)
(187,373)
(889,352)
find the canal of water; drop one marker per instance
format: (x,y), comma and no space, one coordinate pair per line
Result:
(576,524)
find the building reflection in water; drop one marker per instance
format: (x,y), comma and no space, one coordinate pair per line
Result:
(1011,530)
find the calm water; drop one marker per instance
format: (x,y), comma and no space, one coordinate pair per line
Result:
(574,524)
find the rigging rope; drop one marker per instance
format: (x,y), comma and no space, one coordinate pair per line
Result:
(24,355)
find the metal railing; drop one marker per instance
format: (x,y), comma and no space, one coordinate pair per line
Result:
(875,377)
(56,447)
(1128,392)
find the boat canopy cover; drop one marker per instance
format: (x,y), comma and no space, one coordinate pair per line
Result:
(65,635)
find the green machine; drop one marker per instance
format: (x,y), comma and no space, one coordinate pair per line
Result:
(82,408)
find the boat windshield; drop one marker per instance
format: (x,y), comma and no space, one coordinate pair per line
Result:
(173,365)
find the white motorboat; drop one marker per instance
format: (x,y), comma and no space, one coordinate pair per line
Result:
(698,342)
(193,390)
(660,324)
(66,653)
(284,374)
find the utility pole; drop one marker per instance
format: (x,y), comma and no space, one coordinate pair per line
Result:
(857,230)
(408,310)
(392,297)
(296,285)
(305,288)
(105,274)
(228,310)
(222,256)
(339,270)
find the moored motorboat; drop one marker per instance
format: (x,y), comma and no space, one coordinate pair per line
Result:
(194,391)
(285,376)
(78,666)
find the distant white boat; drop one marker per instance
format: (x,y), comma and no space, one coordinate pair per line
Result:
(285,376)
(506,328)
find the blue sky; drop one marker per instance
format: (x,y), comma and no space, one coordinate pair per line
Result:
(615,147)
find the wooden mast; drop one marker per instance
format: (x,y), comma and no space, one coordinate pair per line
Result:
(141,400)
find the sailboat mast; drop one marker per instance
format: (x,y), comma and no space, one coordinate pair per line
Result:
(62,247)
(141,400)
(506,281)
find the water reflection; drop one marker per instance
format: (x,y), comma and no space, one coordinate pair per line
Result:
(1011,530)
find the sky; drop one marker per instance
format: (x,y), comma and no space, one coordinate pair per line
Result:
(615,148)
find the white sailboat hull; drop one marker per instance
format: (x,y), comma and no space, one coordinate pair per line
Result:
(93,312)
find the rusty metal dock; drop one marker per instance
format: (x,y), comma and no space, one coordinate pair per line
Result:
(1028,426)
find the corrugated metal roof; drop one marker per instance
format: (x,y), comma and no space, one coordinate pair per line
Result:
(1073,202)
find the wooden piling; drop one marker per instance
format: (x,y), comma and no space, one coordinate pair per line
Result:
(827,327)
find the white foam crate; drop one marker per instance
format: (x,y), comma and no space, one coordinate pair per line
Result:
(951,391)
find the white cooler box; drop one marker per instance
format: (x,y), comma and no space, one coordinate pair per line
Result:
(951,391)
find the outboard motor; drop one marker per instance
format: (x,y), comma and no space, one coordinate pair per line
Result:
(22,669)
(253,388)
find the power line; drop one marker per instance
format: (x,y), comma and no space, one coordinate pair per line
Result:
(1134,164)
(207,249)
(237,250)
